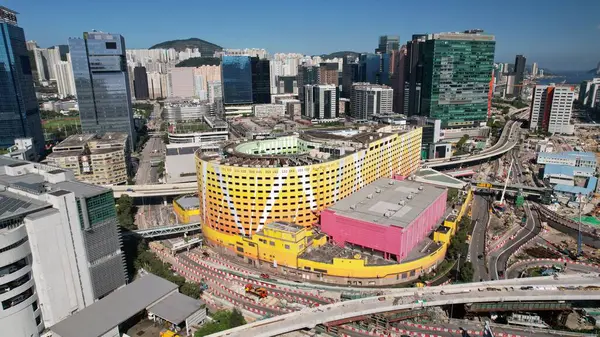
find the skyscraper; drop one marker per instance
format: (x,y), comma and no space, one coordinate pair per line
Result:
(388,43)
(261,81)
(306,75)
(102,84)
(321,102)
(370,99)
(140,83)
(64,79)
(328,73)
(349,75)
(413,75)
(551,108)
(237,80)
(520,61)
(456,77)
(398,78)
(534,69)
(374,68)
(19,112)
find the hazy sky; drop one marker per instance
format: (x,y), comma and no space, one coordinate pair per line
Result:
(558,35)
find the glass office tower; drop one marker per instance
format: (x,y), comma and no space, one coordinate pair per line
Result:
(236,79)
(19,111)
(102,84)
(456,77)
(261,81)
(374,68)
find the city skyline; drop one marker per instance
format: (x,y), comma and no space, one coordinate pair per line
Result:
(531,37)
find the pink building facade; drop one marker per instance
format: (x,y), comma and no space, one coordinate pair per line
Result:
(394,242)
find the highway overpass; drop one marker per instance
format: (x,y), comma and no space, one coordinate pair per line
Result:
(573,288)
(154,190)
(542,192)
(506,143)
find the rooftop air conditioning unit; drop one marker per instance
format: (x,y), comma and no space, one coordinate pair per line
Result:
(402,203)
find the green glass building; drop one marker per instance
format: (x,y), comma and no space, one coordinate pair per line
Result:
(457,70)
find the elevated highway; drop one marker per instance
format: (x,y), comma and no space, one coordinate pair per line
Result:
(154,190)
(507,142)
(575,288)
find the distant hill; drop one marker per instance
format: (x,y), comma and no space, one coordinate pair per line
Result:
(340,54)
(205,47)
(199,61)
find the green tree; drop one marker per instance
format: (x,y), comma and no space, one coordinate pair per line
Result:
(191,289)
(452,194)
(466,272)
(505,110)
(236,319)
(461,142)
(221,320)
(125,212)
(160,169)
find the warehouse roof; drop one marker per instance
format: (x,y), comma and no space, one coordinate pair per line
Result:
(568,155)
(388,202)
(570,171)
(589,188)
(114,309)
(176,308)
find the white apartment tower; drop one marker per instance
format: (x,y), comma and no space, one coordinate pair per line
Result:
(64,78)
(321,102)
(61,248)
(370,99)
(551,108)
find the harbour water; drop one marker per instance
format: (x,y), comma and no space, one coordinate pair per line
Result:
(568,77)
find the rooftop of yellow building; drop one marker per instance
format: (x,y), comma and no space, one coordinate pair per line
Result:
(319,146)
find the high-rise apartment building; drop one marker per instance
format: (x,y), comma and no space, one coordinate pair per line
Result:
(349,75)
(374,68)
(307,75)
(31,45)
(321,102)
(413,74)
(534,69)
(589,93)
(287,85)
(261,81)
(140,83)
(102,84)
(237,79)
(457,68)
(328,73)
(551,108)
(65,81)
(370,99)
(387,44)
(519,71)
(398,78)
(61,246)
(19,111)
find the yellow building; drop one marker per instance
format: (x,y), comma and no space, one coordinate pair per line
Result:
(187,209)
(292,178)
(259,199)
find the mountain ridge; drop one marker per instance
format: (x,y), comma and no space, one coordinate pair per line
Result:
(204,46)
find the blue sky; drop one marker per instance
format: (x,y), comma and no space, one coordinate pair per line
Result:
(558,35)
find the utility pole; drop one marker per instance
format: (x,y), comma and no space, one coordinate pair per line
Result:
(579,251)
(506,182)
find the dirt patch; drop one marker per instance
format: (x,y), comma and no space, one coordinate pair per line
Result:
(541,252)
